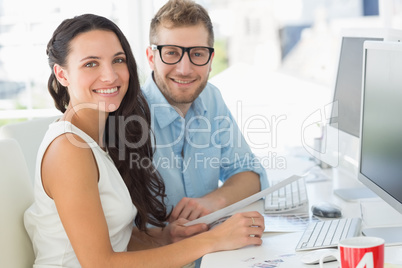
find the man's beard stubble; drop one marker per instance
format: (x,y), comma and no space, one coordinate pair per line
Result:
(172,99)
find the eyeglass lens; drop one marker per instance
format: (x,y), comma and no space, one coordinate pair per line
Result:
(172,55)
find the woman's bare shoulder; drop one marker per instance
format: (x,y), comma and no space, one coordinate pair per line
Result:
(68,160)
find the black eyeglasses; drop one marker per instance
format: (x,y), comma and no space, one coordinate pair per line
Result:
(171,54)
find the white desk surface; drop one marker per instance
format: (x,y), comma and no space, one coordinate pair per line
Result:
(278,249)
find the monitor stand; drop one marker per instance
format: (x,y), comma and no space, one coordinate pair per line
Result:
(353,194)
(391,235)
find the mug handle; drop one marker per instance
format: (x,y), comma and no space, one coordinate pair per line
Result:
(334,254)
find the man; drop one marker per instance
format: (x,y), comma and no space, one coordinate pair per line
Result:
(198,143)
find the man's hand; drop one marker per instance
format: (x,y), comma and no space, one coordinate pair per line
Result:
(236,188)
(193,208)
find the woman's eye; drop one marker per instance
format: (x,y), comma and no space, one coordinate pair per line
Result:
(119,60)
(91,64)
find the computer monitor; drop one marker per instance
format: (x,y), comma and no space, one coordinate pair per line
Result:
(342,132)
(380,154)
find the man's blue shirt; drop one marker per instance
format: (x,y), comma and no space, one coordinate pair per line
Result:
(194,153)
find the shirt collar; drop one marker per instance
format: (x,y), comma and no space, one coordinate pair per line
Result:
(161,110)
(199,107)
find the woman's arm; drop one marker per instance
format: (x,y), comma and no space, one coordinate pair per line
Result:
(157,237)
(236,232)
(71,179)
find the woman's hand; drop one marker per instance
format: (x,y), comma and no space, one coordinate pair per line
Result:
(240,230)
(176,231)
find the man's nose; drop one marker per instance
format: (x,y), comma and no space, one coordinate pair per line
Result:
(184,66)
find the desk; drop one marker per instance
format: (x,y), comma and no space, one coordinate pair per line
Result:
(278,249)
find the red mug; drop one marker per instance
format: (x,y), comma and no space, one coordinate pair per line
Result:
(360,252)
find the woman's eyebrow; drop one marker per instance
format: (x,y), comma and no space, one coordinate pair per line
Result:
(97,58)
(90,58)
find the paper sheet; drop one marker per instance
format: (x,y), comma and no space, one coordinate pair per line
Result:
(286,223)
(223,213)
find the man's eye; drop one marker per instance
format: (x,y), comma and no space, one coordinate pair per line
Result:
(171,53)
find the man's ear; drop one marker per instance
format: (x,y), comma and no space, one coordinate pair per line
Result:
(212,57)
(60,74)
(151,58)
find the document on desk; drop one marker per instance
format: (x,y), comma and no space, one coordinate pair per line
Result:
(227,211)
(288,223)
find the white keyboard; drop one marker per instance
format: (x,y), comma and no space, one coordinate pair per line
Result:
(328,233)
(291,197)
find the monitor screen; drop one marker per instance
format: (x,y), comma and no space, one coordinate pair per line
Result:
(342,132)
(347,93)
(380,166)
(345,113)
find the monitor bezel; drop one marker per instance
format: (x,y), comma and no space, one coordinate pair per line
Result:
(384,195)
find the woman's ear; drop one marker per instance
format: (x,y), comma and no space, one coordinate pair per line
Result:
(60,74)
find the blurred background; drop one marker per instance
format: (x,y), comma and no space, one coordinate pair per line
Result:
(275,60)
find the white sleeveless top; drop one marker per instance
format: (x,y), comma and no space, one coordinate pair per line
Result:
(51,245)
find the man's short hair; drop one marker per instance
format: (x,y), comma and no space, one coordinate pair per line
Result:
(180,13)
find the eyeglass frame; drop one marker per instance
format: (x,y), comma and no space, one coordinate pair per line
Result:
(184,50)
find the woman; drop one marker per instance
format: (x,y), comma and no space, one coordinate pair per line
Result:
(87,192)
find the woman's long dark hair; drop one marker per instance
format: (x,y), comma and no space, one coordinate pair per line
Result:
(127,133)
